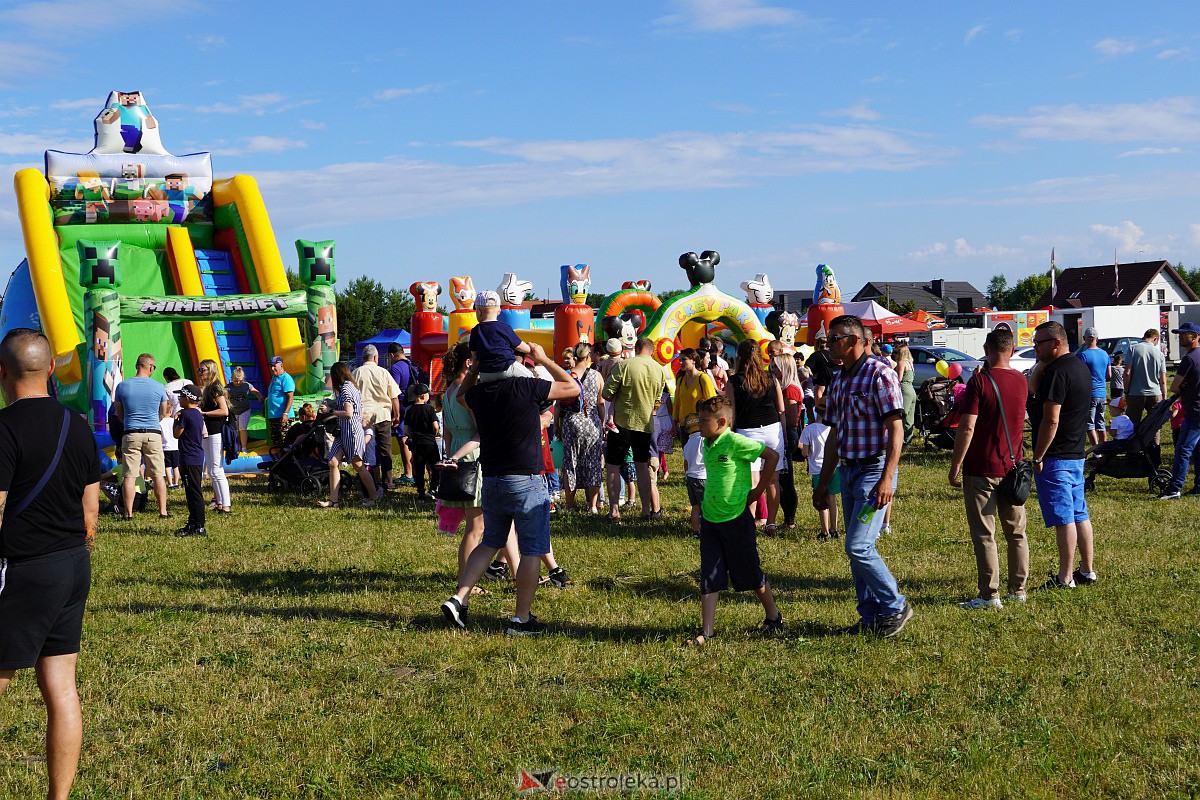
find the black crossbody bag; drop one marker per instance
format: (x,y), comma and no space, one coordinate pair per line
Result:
(1016,483)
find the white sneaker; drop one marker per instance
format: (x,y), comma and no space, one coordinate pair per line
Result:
(1016,597)
(885,530)
(979,603)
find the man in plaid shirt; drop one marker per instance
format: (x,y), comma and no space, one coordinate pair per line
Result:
(865,410)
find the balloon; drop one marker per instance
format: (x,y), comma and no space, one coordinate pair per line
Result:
(954,371)
(942,368)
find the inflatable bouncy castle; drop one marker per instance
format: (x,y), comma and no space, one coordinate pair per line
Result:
(132,249)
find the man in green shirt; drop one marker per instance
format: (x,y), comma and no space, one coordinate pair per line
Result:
(634,387)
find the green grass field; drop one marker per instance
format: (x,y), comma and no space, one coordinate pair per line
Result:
(300,653)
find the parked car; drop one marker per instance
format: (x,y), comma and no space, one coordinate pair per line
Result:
(1024,359)
(925,358)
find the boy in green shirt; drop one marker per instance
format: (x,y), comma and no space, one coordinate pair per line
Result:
(728,541)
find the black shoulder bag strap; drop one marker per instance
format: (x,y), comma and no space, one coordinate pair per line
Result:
(41,484)
(1003,419)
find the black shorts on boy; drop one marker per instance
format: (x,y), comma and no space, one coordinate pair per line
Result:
(729,554)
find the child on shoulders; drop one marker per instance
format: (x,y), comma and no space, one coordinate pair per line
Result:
(494,344)
(728,542)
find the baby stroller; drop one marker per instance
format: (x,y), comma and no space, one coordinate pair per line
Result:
(936,418)
(302,463)
(1135,457)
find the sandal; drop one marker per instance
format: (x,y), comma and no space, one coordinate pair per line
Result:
(324,504)
(613,519)
(478,591)
(164,516)
(770,529)
(368,503)
(772,626)
(699,640)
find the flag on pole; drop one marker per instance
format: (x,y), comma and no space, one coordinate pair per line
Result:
(1116,275)
(1053,282)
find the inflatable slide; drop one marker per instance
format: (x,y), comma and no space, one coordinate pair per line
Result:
(130,249)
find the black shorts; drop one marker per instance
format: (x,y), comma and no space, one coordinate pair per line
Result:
(729,552)
(695,489)
(618,442)
(41,606)
(171,458)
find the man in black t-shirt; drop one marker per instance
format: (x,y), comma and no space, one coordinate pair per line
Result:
(49,504)
(508,416)
(822,367)
(1058,414)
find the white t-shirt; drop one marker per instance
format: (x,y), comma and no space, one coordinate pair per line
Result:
(813,439)
(693,457)
(172,387)
(1121,426)
(168,433)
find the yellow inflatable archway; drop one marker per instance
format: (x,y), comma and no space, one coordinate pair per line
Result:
(703,304)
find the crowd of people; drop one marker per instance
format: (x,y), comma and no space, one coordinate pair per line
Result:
(744,429)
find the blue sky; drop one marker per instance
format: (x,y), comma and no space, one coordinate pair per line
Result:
(902,141)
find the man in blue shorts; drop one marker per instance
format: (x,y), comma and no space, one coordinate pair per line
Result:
(508,415)
(49,504)
(1058,413)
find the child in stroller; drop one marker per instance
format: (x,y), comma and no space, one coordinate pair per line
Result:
(1138,456)
(936,418)
(302,463)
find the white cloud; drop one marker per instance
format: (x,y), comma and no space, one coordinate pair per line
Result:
(836,247)
(1014,35)
(1111,48)
(1128,238)
(964,250)
(1182,53)
(729,15)
(859,112)
(393,94)
(971,34)
(935,250)
(1151,151)
(209,43)
(1169,119)
(1194,230)
(518,172)
(312,125)
(264,144)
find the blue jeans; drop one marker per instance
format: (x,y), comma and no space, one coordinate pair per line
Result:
(520,501)
(1185,450)
(876,589)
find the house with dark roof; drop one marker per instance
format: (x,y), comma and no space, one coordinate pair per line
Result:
(938,296)
(1134,284)
(794,300)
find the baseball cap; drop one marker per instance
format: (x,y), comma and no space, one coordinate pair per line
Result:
(1187,327)
(487,299)
(275,360)
(1090,333)
(191,391)
(613,347)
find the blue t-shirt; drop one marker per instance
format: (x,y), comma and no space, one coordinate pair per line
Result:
(191,438)
(277,396)
(1097,363)
(494,345)
(141,400)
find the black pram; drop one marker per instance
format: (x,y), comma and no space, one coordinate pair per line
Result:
(1137,456)
(302,463)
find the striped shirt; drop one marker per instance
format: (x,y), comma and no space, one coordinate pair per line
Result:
(857,405)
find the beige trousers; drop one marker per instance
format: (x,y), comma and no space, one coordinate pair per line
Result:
(984,507)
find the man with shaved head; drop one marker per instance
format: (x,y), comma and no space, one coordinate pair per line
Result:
(49,504)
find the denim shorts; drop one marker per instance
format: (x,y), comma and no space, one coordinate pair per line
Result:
(1096,415)
(1060,491)
(520,500)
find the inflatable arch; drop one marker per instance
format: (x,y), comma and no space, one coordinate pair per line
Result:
(685,318)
